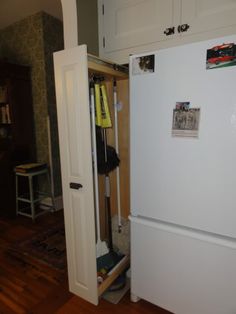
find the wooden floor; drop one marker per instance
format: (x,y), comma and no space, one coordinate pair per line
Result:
(27,288)
(78,306)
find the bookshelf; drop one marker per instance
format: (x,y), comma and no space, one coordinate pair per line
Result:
(17,144)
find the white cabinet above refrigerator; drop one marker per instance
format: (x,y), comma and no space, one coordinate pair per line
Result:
(135,26)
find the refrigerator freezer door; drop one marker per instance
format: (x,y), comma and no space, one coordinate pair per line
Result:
(184,180)
(184,273)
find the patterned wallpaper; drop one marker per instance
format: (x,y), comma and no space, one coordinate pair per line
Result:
(31,42)
(53,41)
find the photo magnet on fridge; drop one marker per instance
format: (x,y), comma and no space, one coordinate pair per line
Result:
(143,65)
(223,55)
(184,105)
(185,123)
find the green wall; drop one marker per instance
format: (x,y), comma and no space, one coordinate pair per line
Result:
(31,42)
(53,41)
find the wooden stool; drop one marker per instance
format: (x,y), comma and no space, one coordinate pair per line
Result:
(32,199)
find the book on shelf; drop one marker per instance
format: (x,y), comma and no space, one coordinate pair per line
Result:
(5,116)
(30,167)
(3,94)
(8,116)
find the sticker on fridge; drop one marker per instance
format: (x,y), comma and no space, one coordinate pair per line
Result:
(183,105)
(223,55)
(143,65)
(185,122)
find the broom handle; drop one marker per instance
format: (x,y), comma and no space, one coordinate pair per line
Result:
(108,195)
(108,206)
(117,150)
(95,162)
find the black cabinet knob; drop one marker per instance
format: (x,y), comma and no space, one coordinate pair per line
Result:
(169,31)
(183,28)
(75,186)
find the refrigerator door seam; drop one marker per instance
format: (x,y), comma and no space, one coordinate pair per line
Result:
(185,231)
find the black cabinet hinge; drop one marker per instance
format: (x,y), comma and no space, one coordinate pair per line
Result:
(103,9)
(103,42)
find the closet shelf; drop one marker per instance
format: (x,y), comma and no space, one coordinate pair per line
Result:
(107,68)
(117,270)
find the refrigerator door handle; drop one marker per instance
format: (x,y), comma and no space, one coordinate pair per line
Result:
(183,28)
(169,31)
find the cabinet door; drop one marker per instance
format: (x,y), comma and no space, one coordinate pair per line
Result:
(130,23)
(71,76)
(207,15)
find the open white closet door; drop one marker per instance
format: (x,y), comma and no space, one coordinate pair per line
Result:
(72,92)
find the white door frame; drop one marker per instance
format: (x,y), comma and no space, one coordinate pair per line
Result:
(70,23)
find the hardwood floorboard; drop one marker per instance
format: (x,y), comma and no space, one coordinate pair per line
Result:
(58,297)
(5,309)
(28,287)
(78,306)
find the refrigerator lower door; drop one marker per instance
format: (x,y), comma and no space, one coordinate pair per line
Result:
(182,270)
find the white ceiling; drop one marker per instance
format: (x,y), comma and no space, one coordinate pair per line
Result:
(12,11)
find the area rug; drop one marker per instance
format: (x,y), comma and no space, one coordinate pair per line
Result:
(47,247)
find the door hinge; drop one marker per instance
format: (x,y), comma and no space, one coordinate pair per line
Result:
(103,9)
(104,42)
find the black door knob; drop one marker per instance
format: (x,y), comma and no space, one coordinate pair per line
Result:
(75,186)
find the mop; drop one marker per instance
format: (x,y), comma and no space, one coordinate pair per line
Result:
(101,246)
(106,123)
(111,162)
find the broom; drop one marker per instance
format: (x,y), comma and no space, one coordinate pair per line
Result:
(101,246)
(117,150)
(111,162)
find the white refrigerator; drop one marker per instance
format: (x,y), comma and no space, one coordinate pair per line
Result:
(183,177)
